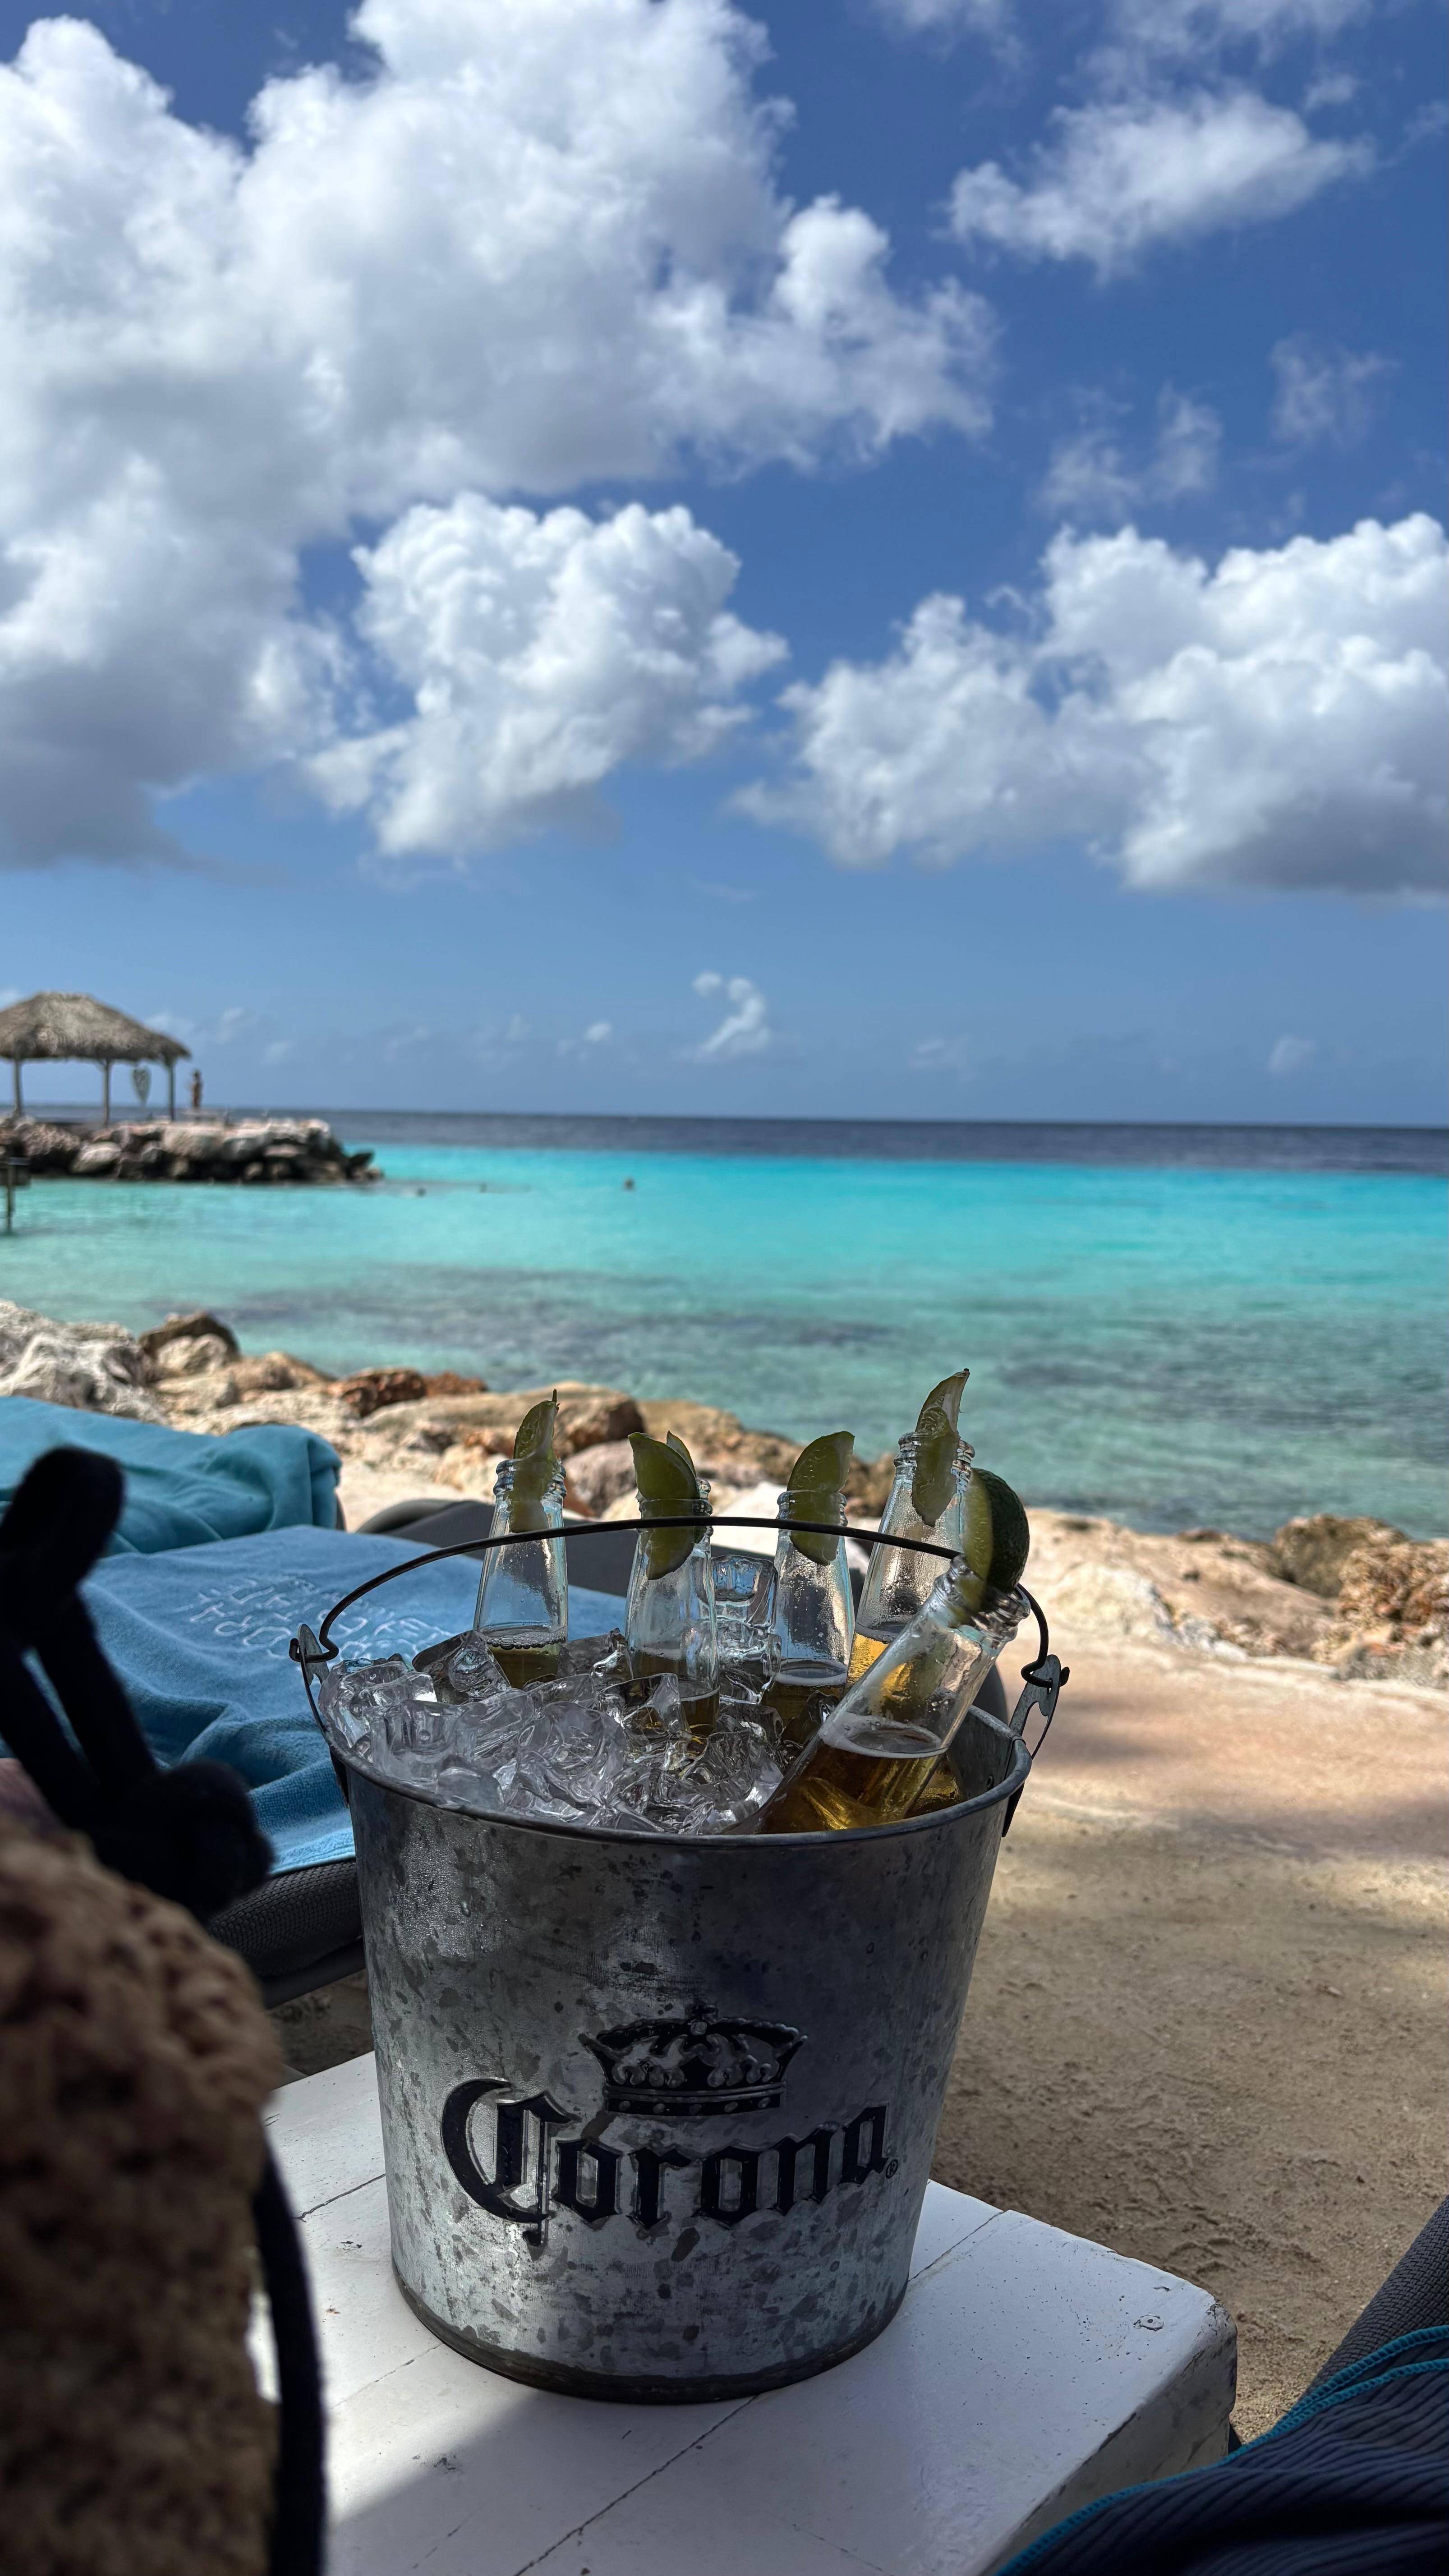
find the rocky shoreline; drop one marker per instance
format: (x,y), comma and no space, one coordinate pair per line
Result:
(253,1150)
(1354,1597)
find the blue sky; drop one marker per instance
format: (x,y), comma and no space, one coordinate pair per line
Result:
(540,575)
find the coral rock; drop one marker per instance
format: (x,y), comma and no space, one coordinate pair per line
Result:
(598,1476)
(98,1368)
(373,1389)
(1314,1551)
(1390,1620)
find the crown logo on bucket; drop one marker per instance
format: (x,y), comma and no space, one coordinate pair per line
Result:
(696,2065)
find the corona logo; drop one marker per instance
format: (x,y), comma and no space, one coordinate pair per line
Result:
(697,2067)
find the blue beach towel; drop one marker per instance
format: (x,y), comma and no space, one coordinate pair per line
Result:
(183,1487)
(199,1637)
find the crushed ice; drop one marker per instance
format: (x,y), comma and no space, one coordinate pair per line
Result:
(582,1750)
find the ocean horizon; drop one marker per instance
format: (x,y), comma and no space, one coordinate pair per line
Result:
(1175,1325)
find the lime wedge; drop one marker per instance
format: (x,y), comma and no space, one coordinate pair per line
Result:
(672,1441)
(535,1463)
(998,1538)
(666,1481)
(932,1485)
(816,1488)
(947,1397)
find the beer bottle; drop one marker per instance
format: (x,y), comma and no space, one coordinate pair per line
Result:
(669,1617)
(811,1617)
(523,1596)
(878,1749)
(928,1501)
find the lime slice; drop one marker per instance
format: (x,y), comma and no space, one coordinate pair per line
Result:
(535,1463)
(816,1489)
(672,1441)
(666,1481)
(933,1483)
(947,1396)
(998,1538)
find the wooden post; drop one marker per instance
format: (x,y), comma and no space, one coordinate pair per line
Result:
(171,1091)
(9,1195)
(15,1076)
(106,1091)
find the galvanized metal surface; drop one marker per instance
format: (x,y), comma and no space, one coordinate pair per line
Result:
(658,2114)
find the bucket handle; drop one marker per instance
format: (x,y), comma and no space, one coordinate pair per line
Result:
(1043,1683)
(1044,1678)
(324,1650)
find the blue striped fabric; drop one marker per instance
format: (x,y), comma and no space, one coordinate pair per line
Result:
(1354,2481)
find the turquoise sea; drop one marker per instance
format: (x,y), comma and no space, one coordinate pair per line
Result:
(1174,1326)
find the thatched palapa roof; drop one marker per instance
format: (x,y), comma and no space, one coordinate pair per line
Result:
(71,1028)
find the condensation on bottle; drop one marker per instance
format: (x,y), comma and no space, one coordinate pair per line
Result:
(671,1627)
(523,1593)
(898,1580)
(812,1630)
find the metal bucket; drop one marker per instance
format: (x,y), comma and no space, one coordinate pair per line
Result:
(658,2113)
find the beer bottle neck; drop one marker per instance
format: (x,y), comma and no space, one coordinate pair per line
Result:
(930,1676)
(523,1588)
(897,1580)
(550,1504)
(811,1614)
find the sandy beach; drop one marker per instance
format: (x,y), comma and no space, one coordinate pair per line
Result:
(1206,2023)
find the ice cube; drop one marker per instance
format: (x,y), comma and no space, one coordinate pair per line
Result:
(678,1787)
(412,1716)
(739,1766)
(743,1593)
(663,1709)
(346,1718)
(603,1654)
(576,1750)
(356,1699)
(572,1763)
(472,1670)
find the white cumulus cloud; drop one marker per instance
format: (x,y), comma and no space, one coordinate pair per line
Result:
(537,653)
(1121,175)
(1276,720)
(536,244)
(745,1028)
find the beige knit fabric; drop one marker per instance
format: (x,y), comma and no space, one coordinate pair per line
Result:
(134,2061)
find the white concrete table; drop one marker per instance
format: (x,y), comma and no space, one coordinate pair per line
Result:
(1026,2373)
